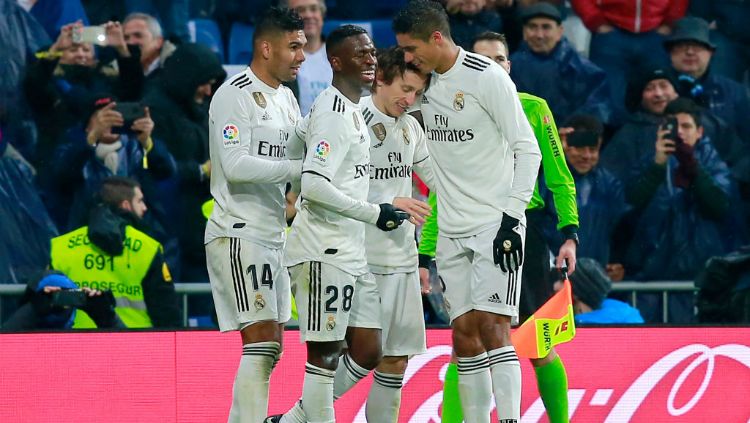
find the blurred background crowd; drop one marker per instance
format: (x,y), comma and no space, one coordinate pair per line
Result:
(103,125)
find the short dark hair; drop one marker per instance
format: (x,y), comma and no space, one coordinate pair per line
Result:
(117,189)
(420,18)
(588,123)
(687,106)
(391,63)
(338,35)
(492,36)
(275,20)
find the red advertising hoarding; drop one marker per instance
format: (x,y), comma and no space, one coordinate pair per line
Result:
(616,375)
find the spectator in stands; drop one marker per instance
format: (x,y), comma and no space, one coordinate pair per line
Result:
(20,36)
(624,34)
(728,22)
(98,152)
(685,193)
(26,227)
(315,74)
(648,93)
(145,31)
(590,303)
(546,65)
(46,305)
(179,101)
(114,252)
(690,50)
(469,18)
(173,15)
(63,82)
(599,194)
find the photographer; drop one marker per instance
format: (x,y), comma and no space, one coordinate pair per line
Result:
(112,144)
(61,82)
(114,252)
(54,301)
(684,192)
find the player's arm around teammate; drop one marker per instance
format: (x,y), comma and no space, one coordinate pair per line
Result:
(249,118)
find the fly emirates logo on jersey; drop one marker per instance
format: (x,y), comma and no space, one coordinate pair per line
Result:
(269,149)
(396,168)
(441,133)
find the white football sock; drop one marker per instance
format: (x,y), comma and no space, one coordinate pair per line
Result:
(475,388)
(347,375)
(384,399)
(506,383)
(250,392)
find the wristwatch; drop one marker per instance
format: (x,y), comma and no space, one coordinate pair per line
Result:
(571,232)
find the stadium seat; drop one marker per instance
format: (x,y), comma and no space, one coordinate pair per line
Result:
(241,44)
(379,30)
(206,32)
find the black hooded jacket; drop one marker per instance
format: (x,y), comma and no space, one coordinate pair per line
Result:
(182,124)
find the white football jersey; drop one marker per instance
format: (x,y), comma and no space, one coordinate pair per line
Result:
(485,156)
(249,124)
(397,147)
(338,149)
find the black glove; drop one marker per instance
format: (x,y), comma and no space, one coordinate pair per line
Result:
(507,248)
(390,217)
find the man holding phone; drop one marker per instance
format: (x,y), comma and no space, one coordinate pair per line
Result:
(684,195)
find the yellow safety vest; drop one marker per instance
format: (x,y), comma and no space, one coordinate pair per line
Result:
(88,266)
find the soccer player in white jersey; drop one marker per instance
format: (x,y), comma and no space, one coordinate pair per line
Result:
(326,246)
(397,147)
(249,119)
(486,162)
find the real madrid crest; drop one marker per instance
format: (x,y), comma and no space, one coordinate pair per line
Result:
(259,303)
(356,121)
(379,130)
(406,136)
(291,118)
(331,323)
(260,100)
(458,101)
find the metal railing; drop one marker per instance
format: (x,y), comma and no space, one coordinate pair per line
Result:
(184,290)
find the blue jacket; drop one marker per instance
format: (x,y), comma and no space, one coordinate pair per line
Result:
(728,100)
(570,83)
(79,174)
(601,203)
(680,228)
(611,312)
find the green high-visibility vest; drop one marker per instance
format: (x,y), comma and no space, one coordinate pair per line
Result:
(88,266)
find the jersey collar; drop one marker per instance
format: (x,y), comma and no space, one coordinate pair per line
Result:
(380,116)
(456,66)
(262,86)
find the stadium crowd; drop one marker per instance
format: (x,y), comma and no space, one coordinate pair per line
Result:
(110,133)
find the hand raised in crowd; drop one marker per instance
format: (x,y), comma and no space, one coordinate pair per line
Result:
(664,147)
(65,39)
(664,29)
(604,28)
(102,123)
(143,128)
(418,210)
(564,131)
(116,38)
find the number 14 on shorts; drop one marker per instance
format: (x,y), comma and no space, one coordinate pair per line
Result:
(266,278)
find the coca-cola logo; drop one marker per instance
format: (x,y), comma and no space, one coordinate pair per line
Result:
(615,375)
(631,400)
(695,362)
